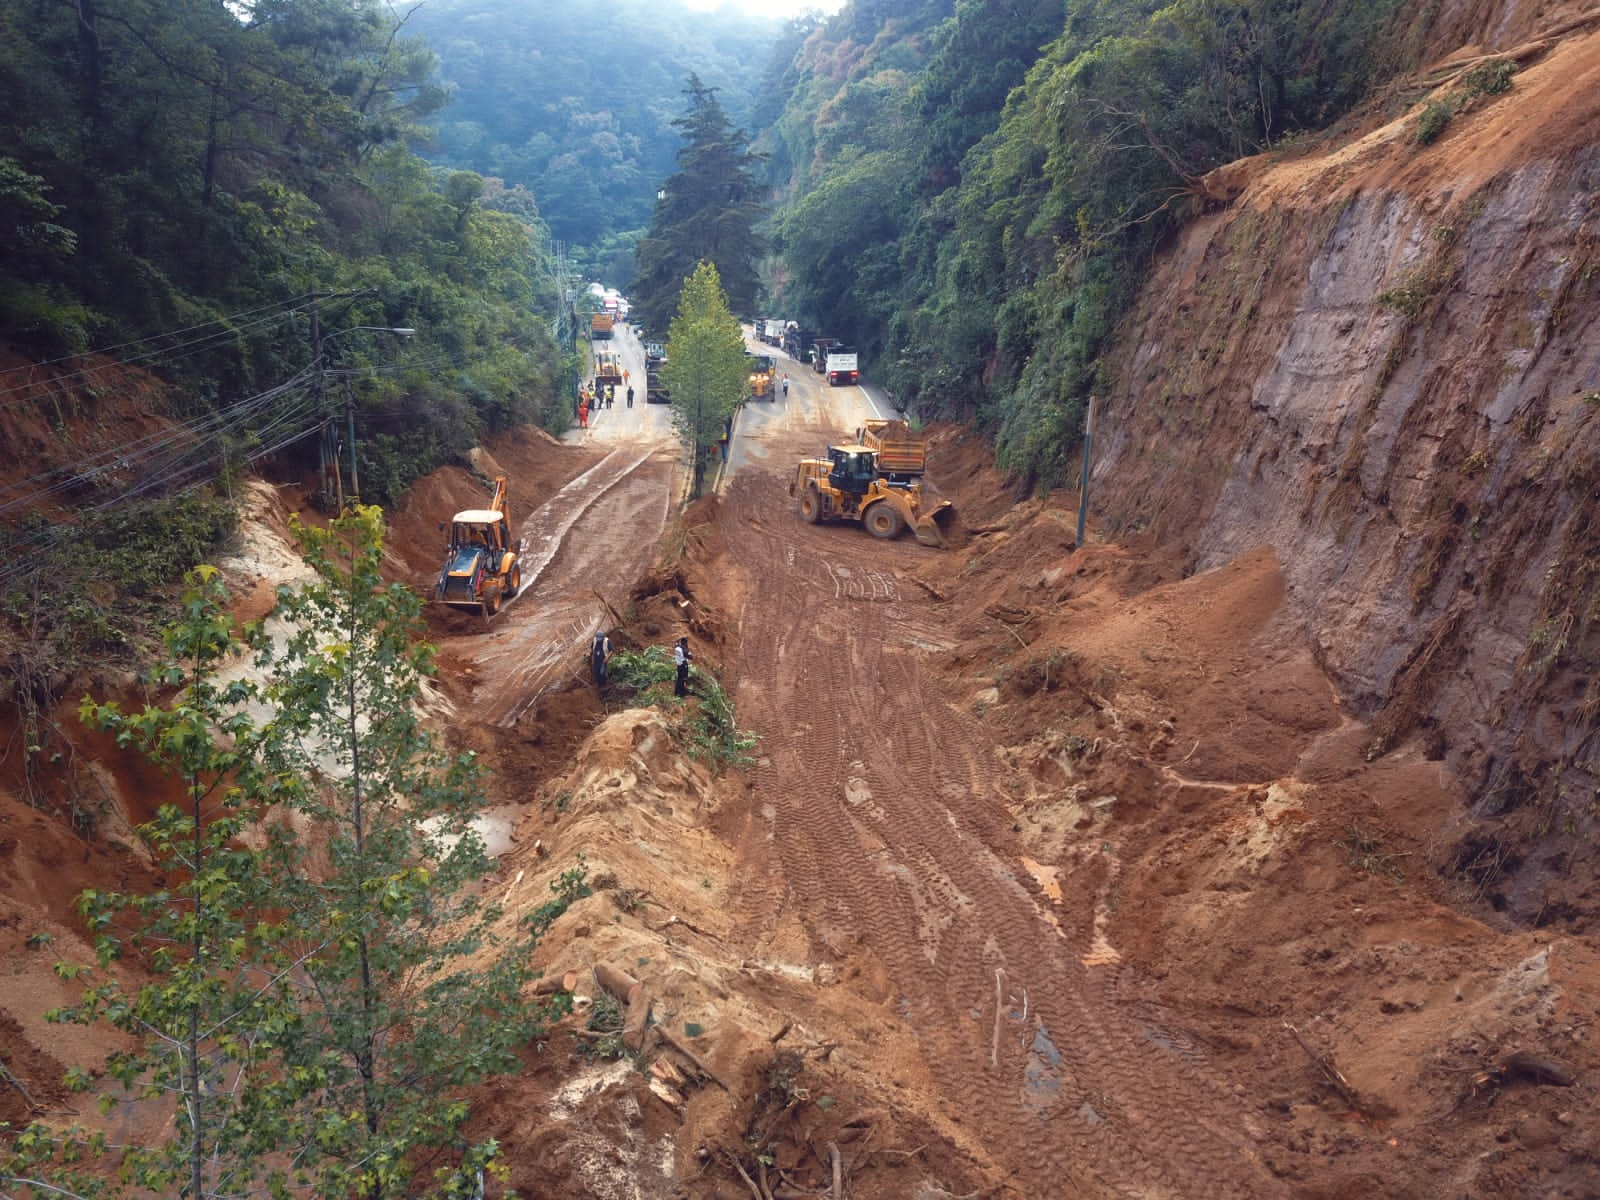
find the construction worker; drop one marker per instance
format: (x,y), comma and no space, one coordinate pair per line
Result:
(630,395)
(681,658)
(599,656)
(786,383)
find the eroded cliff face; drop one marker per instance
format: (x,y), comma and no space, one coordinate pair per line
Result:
(1383,360)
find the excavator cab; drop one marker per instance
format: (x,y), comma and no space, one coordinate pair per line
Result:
(853,469)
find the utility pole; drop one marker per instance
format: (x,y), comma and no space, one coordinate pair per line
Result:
(1083,483)
(350,425)
(330,443)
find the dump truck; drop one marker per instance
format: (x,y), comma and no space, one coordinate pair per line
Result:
(902,455)
(600,326)
(797,342)
(841,366)
(819,352)
(761,367)
(655,391)
(482,564)
(849,485)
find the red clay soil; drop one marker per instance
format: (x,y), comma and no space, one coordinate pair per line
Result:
(1055,871)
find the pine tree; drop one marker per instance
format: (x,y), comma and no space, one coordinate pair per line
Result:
(707,212)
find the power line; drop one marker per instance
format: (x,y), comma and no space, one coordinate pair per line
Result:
(169,354)
(294,304)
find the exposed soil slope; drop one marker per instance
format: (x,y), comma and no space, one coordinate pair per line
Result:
(1384,362)
(1158,867)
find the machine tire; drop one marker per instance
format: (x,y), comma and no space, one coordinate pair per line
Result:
(515,585)
(811,505)
(882,521)
(491,603)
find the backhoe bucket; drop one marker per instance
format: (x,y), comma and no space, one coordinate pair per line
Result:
(927,526)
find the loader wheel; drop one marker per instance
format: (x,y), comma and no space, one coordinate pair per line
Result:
(810,505)
(515,585)
(491,603)
(882,521)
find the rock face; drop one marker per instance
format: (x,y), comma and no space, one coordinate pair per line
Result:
(1384,362)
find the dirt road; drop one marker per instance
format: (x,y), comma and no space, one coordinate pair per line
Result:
(878,811)
(878,815)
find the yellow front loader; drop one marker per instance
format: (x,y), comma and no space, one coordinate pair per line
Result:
(849,486)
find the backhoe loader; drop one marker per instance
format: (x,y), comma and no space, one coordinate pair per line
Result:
(482,565)
(849,485)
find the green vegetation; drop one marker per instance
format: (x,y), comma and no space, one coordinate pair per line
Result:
(706,372)
(709,729)
(325,976)
(977,193)
(1436,114)
(575,104)
(180,183)
(707,213)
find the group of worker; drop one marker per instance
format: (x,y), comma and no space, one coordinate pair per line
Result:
(591,398)
(600,651)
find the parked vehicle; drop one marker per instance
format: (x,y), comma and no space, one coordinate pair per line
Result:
(819,353)
(797,342)
(655,391)
(841,366)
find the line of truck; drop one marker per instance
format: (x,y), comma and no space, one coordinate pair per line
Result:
(828,356)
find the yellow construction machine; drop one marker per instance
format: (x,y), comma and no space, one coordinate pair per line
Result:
(761,368)
(850,485)
(482,564)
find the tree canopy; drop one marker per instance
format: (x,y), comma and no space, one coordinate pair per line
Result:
(971,190)
(706,371)
(576,104)
(707,213)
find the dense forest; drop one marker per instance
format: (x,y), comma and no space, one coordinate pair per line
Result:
(189,182)
(967,191)
(576,103)
(971,191)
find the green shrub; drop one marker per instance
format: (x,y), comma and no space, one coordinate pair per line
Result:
(1433,120)
(1490,78)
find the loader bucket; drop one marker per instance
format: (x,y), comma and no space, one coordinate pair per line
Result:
(928,525)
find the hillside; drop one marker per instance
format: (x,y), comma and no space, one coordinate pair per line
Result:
(1380,360)
(1246,850)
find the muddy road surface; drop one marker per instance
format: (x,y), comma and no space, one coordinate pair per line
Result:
(876,815)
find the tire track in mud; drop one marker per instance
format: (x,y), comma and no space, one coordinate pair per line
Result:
(881,820)
(599,530)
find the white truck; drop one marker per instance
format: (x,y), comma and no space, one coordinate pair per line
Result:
(841,368)
(772,332)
